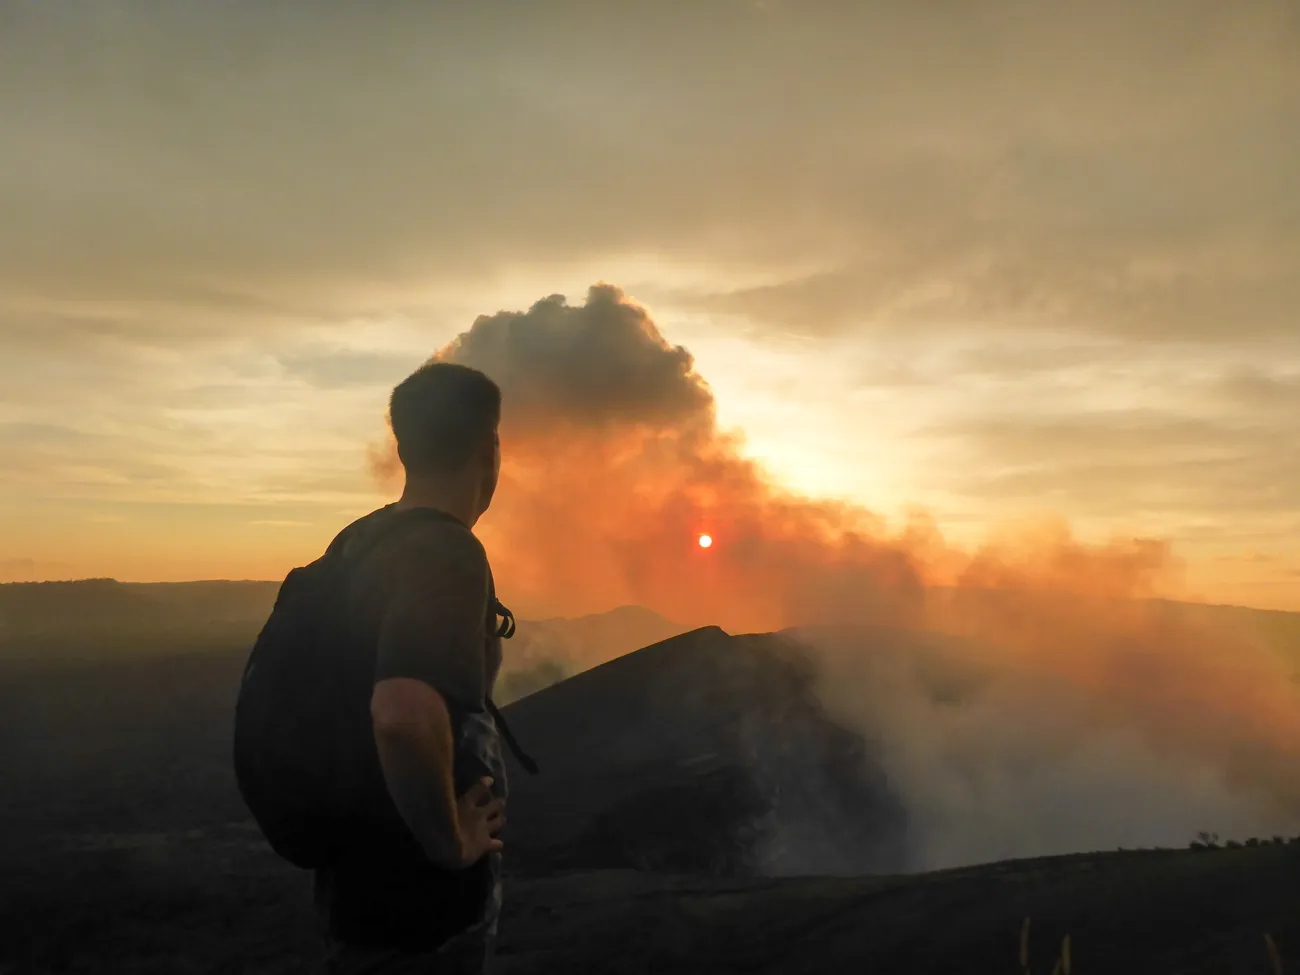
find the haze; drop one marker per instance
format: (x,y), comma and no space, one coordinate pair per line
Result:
(984,259)
(976,320)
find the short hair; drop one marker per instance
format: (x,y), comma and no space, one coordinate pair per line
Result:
(441,414)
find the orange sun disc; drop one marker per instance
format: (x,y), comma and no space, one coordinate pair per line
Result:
(705,541)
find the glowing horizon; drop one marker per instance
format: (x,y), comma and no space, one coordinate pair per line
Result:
(969,278)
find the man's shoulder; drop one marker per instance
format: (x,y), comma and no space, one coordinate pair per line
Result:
(423,540)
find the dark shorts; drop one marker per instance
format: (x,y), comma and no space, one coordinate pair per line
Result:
(467,955)
(360,949)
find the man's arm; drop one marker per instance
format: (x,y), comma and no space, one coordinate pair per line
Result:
(414,738)
(431,643)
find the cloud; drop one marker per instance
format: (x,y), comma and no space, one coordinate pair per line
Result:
(1255,390)
(1124,168)
(615,463)
(204,424)
(222,220)
(1117,463)
(602,362)
(1047,706)
(1252,558)
(1073,728)
(335,369)
(1130,289)
(49,434)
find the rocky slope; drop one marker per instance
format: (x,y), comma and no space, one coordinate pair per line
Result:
(703,753)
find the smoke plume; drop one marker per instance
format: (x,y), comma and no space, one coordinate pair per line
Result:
(1065,709)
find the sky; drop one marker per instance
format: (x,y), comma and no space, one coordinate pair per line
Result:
(991,262)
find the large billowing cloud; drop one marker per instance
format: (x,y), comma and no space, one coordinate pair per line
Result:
(614,466)
(1062,681)
(615,463)
(598,365)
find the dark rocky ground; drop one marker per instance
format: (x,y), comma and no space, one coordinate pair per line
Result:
(124,848)
(216,902)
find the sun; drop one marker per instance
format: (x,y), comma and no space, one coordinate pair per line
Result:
(706,541)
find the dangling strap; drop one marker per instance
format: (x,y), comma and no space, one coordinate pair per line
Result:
(529,765)
(506,628)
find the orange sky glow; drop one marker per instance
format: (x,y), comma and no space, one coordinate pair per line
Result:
(899,299)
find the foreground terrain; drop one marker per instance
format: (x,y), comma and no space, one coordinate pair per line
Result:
(124,847)
(216,902)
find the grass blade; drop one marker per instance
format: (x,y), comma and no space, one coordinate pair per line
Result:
(1273,954)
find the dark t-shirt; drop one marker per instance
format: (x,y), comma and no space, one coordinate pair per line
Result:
(422,601)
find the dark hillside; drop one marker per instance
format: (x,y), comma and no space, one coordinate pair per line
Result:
(703,752)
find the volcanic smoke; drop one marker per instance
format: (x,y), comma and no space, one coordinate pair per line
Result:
(1087,714)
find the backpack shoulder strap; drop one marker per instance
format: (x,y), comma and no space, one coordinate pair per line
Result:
(508,736)
(347,557)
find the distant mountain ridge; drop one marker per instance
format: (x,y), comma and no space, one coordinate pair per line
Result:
(100,618)
(58,611)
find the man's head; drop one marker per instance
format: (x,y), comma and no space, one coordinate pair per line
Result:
(445,419)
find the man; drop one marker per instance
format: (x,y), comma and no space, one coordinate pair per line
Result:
(418,888)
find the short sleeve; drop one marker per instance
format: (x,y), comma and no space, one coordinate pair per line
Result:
(433,624)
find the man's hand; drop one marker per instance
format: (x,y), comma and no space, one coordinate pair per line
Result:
(480,818)
(414,737)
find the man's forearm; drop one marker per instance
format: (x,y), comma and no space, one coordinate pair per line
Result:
(417,760)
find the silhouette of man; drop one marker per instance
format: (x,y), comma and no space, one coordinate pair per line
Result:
(418,888)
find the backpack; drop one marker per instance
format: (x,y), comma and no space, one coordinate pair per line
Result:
(303,711)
